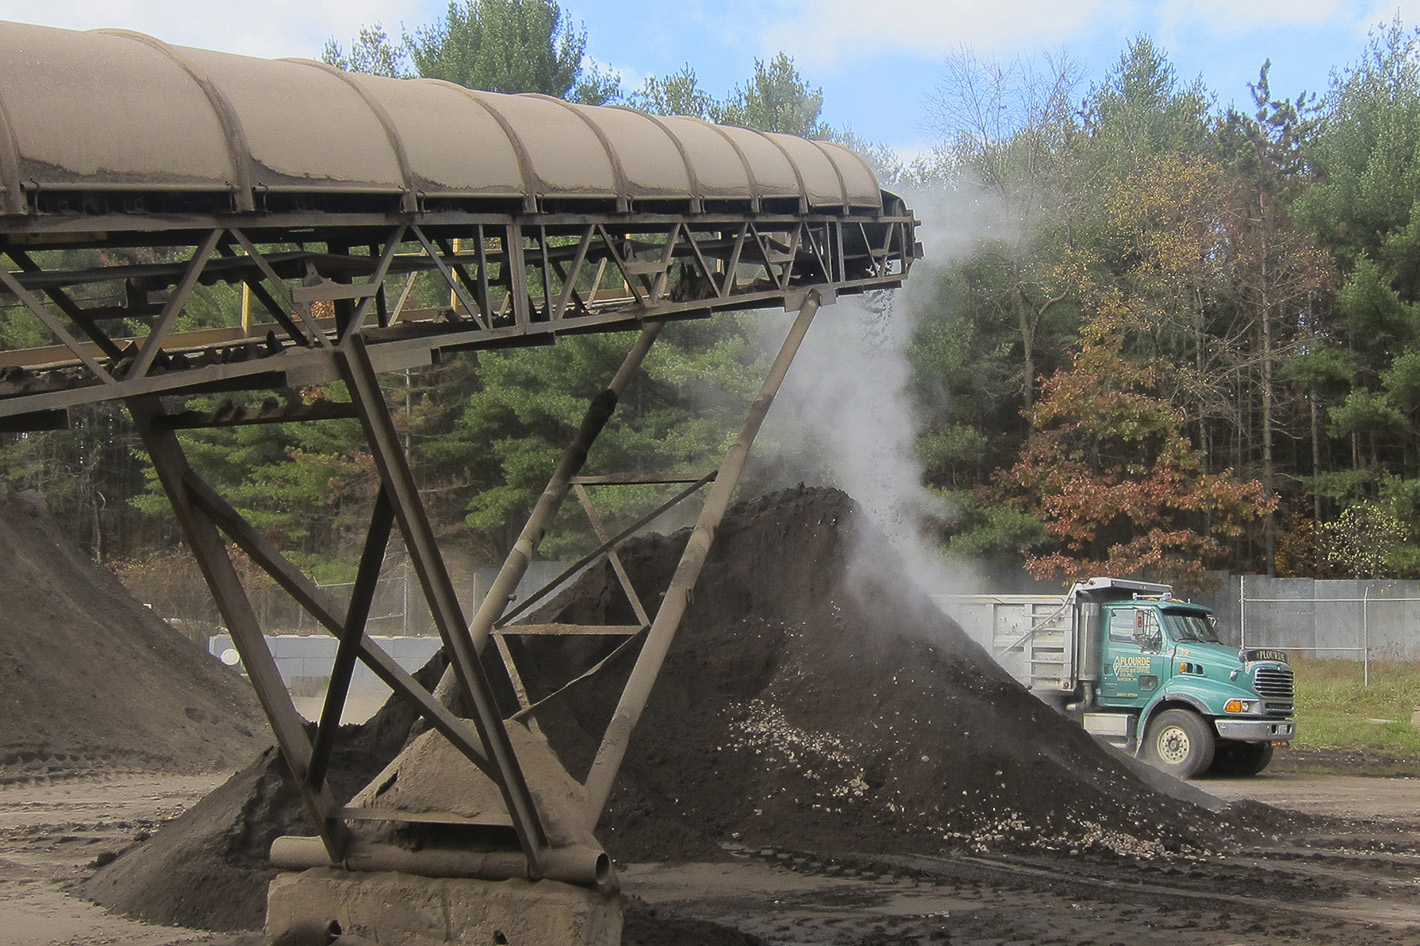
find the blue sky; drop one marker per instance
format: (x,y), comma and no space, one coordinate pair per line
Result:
(877,61)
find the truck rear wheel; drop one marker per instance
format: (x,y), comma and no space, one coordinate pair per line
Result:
(1180,743)
(1241,759)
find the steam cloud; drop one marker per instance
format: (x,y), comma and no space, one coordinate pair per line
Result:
(846,416)
(845,419)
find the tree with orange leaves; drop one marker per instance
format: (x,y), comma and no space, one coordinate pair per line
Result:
(1116,483)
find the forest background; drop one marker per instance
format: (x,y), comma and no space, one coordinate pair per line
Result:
(1179,337)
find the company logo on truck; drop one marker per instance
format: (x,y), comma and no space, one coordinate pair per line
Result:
(1128,667)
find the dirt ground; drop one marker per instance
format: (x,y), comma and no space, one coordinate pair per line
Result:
(54,834)
(1344,870)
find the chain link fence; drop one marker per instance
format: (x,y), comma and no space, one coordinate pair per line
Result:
(1354,620)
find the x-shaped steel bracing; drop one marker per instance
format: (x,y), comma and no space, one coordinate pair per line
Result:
(209,523)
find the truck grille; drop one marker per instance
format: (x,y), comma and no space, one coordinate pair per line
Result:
(1274,685)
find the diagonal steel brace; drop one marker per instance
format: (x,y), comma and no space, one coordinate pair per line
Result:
(359,375)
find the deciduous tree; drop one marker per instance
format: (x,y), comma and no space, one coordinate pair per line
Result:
(372,52)
(501,46)
(1006,130)
(1111,474)
(493,45)
(676,94)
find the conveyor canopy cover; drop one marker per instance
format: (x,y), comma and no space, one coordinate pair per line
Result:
(110,110)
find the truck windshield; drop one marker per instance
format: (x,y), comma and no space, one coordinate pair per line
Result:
(1190,627)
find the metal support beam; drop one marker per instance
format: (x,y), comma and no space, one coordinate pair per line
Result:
(318,604)
(495,602)
(436,256)
(67,305)
(356,615)
(392,242)
(527,603)
(677,598)
(226,587)
(54,325)
(316,335)
(428,563)
(599,529)
(154,342)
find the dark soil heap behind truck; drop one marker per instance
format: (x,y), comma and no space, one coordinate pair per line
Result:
(1143,670)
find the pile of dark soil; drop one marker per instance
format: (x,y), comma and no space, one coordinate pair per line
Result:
(813,700)
(91,681)
(810,702)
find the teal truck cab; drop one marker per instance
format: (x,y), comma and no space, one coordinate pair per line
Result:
(1143,670)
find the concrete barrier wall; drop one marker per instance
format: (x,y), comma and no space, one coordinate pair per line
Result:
(305,660)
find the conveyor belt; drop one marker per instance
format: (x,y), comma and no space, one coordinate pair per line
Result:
(134,172)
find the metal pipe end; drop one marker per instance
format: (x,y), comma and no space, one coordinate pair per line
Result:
(309,933)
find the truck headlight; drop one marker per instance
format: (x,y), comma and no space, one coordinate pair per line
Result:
(1241,706)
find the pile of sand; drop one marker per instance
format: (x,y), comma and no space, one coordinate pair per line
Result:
(807,704)
(209,868)
(91,681)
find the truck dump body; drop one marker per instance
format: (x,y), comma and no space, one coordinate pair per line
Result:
(1032,636)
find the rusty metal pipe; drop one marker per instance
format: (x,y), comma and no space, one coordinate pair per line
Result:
(582,866)
(658,640)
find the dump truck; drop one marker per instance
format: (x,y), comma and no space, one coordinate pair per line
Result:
(1142,670)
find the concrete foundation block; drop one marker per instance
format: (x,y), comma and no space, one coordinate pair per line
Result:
(393,909)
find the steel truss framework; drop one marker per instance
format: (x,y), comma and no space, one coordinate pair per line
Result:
(512,280)
(336,295)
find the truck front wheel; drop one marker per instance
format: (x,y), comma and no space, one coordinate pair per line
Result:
(1180,743)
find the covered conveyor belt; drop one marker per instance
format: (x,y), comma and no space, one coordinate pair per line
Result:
(191,128)
(140,179)
(324,192)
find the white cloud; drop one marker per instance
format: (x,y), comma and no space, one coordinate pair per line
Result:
(836,30)
(910,150)
(267,28)
(1232,16)
(1383,11)
(631,77)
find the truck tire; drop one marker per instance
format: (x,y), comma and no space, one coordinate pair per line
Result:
(1179,742)
(1241,759)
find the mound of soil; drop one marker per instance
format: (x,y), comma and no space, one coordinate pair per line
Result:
(209,868)
(810,702)
(813,700)
(92,681)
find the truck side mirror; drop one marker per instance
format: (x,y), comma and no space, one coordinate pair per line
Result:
(1146,631)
